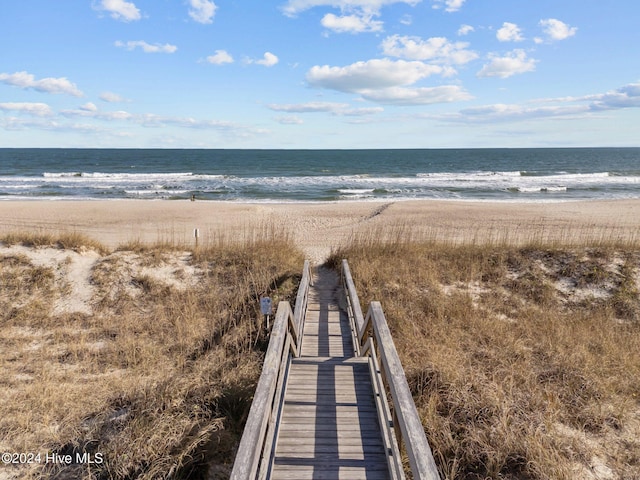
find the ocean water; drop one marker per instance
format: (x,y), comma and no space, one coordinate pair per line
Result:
(535,175)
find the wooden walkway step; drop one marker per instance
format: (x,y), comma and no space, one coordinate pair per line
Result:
(329,425)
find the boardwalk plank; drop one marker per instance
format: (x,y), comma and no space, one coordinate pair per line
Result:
(329,426)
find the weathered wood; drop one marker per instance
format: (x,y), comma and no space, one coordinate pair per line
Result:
(420,457)
(271,434)
(323,441)
(384,416)
(329,418)
(331,473)
(328,427)
(260,429)
(301,303)
(292,334)
(251,444)
(343,450)
(352,297)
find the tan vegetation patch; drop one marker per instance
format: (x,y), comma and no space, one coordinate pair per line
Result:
(156,376)
(524,361)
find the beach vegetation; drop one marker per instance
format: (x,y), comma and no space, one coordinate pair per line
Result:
(143,358)
(66,241)
(523,358)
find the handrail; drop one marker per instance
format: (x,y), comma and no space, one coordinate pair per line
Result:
(374,335)
(353,304)
(301,302)
(254,451)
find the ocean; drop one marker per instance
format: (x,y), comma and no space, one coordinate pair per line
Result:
(530,175)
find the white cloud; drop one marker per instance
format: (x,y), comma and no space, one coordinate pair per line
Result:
(449,5)
(34,109)
(120,10)
(357,16)
(151,120)
(387,82)
(351,23)
(361,112)
(513,63)
(202,11)
(89,107)
(310,107)
(465,30)
(417,96)
(370,75)
(627,96)
(294,7)
(17,124)
(268,60)
(147,47)
(341,109)
(510,112)
(289,120)
(91,111)
(220,58)
(510,32)
(48,120)
(557,30)
(111,97)
(437,49)
(46,85)
(624,97)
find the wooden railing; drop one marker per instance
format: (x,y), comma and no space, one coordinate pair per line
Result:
(373,338)
(254,451)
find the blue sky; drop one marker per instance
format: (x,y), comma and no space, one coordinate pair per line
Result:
(319,73)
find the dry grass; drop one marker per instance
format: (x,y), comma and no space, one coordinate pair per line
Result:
(524,361)
(66,241)
(157,375)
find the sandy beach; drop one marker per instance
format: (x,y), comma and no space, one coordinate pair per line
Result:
(319,227)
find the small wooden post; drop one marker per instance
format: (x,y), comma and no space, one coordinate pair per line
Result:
(196,234)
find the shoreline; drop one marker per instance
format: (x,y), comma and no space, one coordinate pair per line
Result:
(312,202)
(319,227)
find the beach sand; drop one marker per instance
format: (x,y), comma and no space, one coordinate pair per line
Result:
(320,227)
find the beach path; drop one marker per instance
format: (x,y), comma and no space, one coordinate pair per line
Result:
(329,425)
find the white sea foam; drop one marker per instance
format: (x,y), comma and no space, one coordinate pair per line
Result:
(356,191)
(114,175)
(501,185)
(467,175)
(88,176)
(540,189)
(156,192)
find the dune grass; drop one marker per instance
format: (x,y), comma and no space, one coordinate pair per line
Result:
(64,241)
(157,379)
(523,360)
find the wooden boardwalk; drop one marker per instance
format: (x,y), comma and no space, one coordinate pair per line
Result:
(332,401)
(329,426)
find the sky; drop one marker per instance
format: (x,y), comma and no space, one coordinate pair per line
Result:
(319,73)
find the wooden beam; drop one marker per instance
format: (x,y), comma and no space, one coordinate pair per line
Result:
(250,448)
(420,457)
(352,295)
